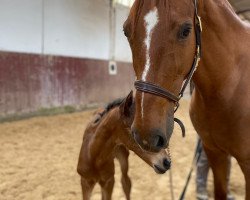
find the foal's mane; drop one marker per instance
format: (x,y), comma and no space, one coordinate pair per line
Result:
(109,107)
(113,104)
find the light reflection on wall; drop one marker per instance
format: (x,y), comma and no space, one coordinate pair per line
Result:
(125,2)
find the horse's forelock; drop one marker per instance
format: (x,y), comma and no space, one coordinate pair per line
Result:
(162,6)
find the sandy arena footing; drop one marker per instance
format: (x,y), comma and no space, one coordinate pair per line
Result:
(38,159)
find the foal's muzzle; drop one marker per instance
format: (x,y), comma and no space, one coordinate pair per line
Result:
(163,167)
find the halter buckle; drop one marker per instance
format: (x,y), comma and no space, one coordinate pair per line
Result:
(199,22)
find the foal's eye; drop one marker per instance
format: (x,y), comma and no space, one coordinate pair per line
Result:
(185,30)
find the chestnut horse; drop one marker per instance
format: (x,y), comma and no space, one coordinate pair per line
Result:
(167,42)
(108,136)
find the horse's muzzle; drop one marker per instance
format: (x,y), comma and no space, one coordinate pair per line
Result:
(154,143)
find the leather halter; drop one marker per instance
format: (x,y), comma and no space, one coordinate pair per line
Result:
(154,89)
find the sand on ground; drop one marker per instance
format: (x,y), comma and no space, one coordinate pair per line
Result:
(38,159)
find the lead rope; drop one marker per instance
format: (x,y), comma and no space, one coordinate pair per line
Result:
(179,122)
(171,177)
(196,158)
(171,184)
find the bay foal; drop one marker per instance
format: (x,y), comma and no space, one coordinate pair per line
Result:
(107,137)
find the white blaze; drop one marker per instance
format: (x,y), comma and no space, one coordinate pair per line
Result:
(151,20)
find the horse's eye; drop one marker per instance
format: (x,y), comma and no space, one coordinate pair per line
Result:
(185,31)
(126,28)
(125,32)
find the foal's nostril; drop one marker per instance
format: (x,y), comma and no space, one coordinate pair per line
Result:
(166,164)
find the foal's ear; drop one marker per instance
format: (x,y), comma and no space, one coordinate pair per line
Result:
(126,107)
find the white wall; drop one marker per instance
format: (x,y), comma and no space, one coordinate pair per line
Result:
(78,28)
(21,25)
(122,49)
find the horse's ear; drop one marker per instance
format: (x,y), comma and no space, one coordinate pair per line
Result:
(126,108)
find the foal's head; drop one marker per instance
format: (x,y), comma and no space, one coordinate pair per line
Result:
(162,39)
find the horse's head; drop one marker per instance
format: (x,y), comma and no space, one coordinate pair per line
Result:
(159,161)
(161,34)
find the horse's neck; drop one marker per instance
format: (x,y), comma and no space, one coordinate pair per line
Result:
(223,39)
(105,138)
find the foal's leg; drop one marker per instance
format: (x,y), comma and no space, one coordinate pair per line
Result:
(122,157)
(245,166)
(87,187)
(107,179)
(219,162)
(107,188)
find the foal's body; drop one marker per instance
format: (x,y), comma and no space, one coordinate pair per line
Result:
(107,137)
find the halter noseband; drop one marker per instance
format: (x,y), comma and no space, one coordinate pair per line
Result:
(154,89)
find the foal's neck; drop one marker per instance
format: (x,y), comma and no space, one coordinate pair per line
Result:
(222,48)
(105,137)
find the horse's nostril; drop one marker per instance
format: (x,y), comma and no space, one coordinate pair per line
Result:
(167,164)
(160,142)
(154,144)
